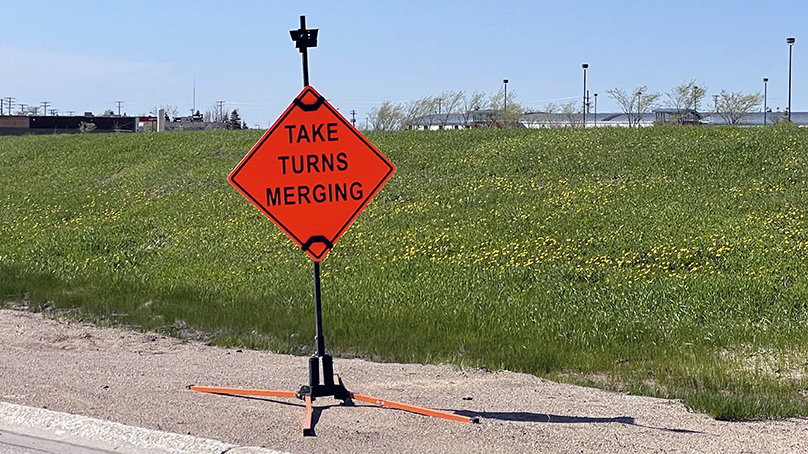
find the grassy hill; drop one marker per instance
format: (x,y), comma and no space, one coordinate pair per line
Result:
(661,261)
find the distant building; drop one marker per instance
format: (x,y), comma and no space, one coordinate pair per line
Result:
(677,117)
(538,120)
(434,122)
(53,124)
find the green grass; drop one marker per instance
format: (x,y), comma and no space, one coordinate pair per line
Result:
(660,261)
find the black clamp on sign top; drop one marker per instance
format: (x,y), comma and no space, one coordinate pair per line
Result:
(309,107)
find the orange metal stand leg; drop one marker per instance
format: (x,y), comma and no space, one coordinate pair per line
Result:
(308,430)
(413,408)
(244,392)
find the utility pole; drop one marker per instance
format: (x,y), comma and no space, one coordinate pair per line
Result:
(53,112)
(45,105)
(353,118)
(119,103)
(10,105)
(221,110)
(22,107)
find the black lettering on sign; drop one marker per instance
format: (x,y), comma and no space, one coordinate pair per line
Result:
(332,132)
(319,193)
(314,163)
(313,133)
(316,132)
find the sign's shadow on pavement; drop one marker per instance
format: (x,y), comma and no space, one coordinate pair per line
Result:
(514,416)
(522,416)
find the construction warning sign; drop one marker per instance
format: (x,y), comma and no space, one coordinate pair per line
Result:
(312,173)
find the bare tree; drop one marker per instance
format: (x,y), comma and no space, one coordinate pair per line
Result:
(171,110)
(645,102)
(634,105)
(624,100)
(571,111)
(734,106)
(386,117)
(548,116)
(418,109)
(449,103)
(471,103)
(688,95)
(508,115)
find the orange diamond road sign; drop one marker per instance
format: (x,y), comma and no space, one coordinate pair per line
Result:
(312,173)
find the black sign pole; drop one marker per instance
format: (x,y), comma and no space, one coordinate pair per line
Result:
(305,38)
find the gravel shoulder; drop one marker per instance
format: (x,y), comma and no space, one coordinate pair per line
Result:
(140,380)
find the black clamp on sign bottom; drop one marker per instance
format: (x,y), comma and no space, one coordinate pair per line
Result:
(317,239)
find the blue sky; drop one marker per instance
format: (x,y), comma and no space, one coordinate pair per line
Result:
(84,56)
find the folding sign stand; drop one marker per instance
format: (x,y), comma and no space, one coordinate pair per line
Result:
(331,384)
(328,384)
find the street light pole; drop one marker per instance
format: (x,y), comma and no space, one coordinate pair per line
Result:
(505,103)
(790,42)
(584,66)
(765,94)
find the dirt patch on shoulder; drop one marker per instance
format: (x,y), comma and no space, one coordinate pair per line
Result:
(141,378)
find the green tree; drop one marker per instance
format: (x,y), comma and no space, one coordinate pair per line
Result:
(234,122)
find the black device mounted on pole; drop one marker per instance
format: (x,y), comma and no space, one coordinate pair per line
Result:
(331,384)
(304,38)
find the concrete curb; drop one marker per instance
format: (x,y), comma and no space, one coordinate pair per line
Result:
(30,429)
